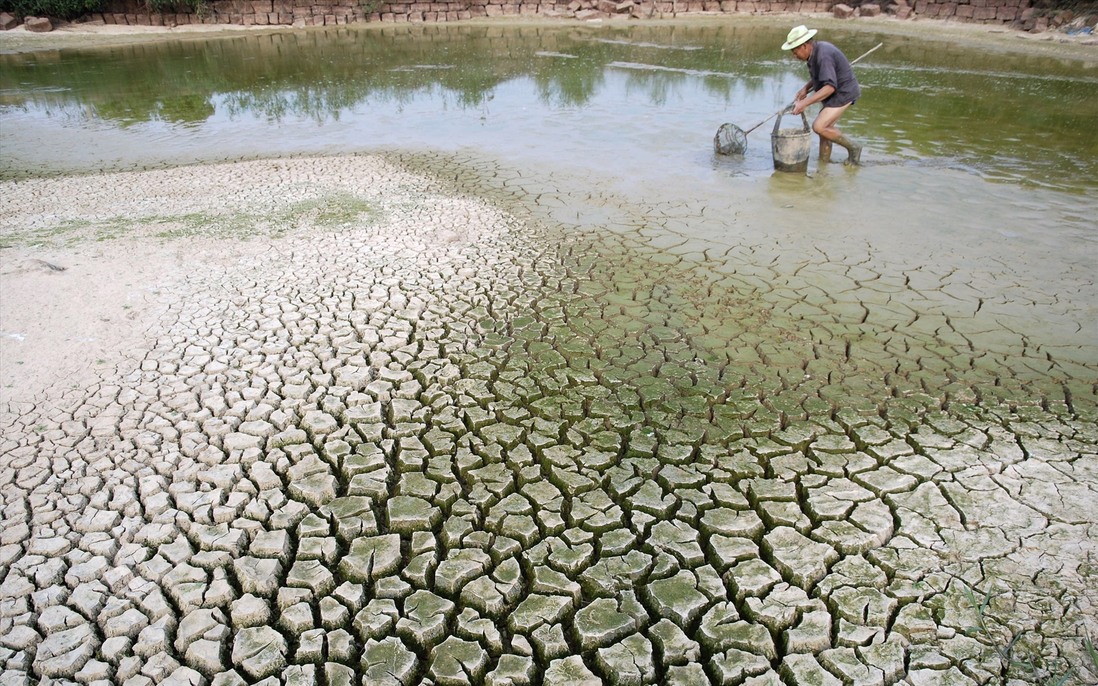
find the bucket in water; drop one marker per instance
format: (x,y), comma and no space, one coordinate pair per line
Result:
(791,146)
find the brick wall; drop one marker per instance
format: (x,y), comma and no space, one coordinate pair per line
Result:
(332,12)
(980,11)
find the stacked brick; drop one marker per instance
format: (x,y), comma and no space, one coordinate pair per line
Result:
(240,12)
(979,11)
(331,12)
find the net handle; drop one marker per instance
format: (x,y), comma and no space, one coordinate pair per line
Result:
(763,121)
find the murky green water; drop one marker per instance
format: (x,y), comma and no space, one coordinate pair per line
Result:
(616,99)
(977,196)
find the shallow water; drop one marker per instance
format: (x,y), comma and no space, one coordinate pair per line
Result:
(978,164)
(612,98)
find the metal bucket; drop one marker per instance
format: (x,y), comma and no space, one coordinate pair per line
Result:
(791,146)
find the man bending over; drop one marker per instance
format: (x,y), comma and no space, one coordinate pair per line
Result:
(831,82)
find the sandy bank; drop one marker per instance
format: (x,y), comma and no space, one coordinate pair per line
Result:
(81,35)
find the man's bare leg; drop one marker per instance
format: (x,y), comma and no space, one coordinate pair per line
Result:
(825,128)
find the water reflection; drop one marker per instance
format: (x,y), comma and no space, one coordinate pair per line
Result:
(515,88)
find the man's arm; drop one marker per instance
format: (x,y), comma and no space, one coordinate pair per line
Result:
(802,103)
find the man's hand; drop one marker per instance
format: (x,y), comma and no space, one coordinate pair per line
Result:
(800,105)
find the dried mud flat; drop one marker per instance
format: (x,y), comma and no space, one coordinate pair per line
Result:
(334,420)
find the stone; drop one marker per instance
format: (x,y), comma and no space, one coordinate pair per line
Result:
(58,618)
(38,24)
(728,522)
(130,623)
(310,646)
(549,581)
(271,544)
(7,22)
(297,618)
(811,634)
(680,540)
(298,675)
(341,645)
(93,670)
(155,638)
(780,609)
(484,631)
(844,663)
(408,514)
(316,489)
(336,674)
(752,578)
(333,614)
(20,637)
(159,667)
(183,676)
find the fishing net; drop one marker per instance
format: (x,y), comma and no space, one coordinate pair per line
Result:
(730,140)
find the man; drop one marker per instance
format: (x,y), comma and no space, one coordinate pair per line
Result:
(832,83)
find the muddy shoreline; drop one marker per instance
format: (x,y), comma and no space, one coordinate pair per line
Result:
(1079,47)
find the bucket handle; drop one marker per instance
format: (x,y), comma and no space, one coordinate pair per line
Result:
(789,110)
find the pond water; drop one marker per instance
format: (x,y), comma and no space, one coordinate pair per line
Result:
(615,99)
(980,164)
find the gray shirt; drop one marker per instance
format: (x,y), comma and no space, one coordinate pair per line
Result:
(828,66)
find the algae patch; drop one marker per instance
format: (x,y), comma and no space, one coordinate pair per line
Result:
(329,212)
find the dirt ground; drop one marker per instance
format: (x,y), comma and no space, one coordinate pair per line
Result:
(88,34)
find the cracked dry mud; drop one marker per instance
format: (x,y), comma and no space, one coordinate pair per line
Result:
(425,438)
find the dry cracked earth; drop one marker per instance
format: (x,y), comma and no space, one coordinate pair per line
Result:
(418,435)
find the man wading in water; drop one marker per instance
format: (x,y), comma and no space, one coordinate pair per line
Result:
(832,80)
